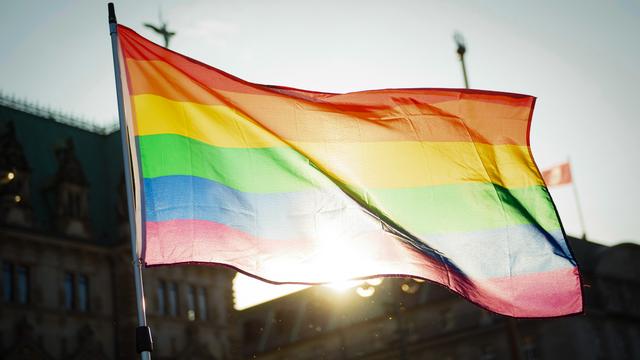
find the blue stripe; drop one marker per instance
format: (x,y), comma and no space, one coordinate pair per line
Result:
(311,213)
(265,215)
(515,250)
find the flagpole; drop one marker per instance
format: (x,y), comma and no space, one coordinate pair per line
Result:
(577,199)
(144,344)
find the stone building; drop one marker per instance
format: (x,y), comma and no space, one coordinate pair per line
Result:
(66,284)
(406,319)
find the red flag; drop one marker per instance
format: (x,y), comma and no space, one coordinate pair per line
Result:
(557,175)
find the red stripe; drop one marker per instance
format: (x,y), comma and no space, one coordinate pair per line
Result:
(546,294)
(553,293)
(376,115)
(177,241)
(136,47)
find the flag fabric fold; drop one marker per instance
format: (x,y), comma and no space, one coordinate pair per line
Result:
(298,186)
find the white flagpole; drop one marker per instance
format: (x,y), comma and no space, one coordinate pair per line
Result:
(144,344)
(577,199)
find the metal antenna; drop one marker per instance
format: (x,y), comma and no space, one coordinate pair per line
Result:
(462,49)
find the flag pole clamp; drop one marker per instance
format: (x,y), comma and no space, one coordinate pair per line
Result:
(144,341)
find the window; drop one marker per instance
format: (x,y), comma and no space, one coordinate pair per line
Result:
(160,294)
(202,303)
(173,298)
(7,282)
(69,291)
(15,283)
(83,293)
(191,303)
(76,205)
(167,300)
(23,284)
(76,292)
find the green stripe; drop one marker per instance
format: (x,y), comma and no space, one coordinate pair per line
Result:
(464,207)
(256,170)
(424,210)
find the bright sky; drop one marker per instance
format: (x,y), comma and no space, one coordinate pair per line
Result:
(580,58)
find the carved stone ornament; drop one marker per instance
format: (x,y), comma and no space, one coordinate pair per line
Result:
(71,206)
(69,167)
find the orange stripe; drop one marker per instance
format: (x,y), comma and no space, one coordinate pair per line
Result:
(403,118)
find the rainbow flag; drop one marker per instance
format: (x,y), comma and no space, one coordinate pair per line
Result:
(298,186)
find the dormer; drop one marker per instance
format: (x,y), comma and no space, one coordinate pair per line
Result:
(71,189)
(15,208)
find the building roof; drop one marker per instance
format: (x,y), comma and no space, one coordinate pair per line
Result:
(97,150)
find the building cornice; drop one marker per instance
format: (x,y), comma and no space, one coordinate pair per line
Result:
(55,240)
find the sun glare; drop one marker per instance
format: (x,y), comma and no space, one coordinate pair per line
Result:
(335,257)
(343,286)
(248,292)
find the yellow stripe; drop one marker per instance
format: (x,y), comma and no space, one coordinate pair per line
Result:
(217,125)
(369,164)
(415,164)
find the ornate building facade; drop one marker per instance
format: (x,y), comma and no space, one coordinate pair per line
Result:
(66,284)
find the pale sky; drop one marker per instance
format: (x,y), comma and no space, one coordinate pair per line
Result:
(580,58)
